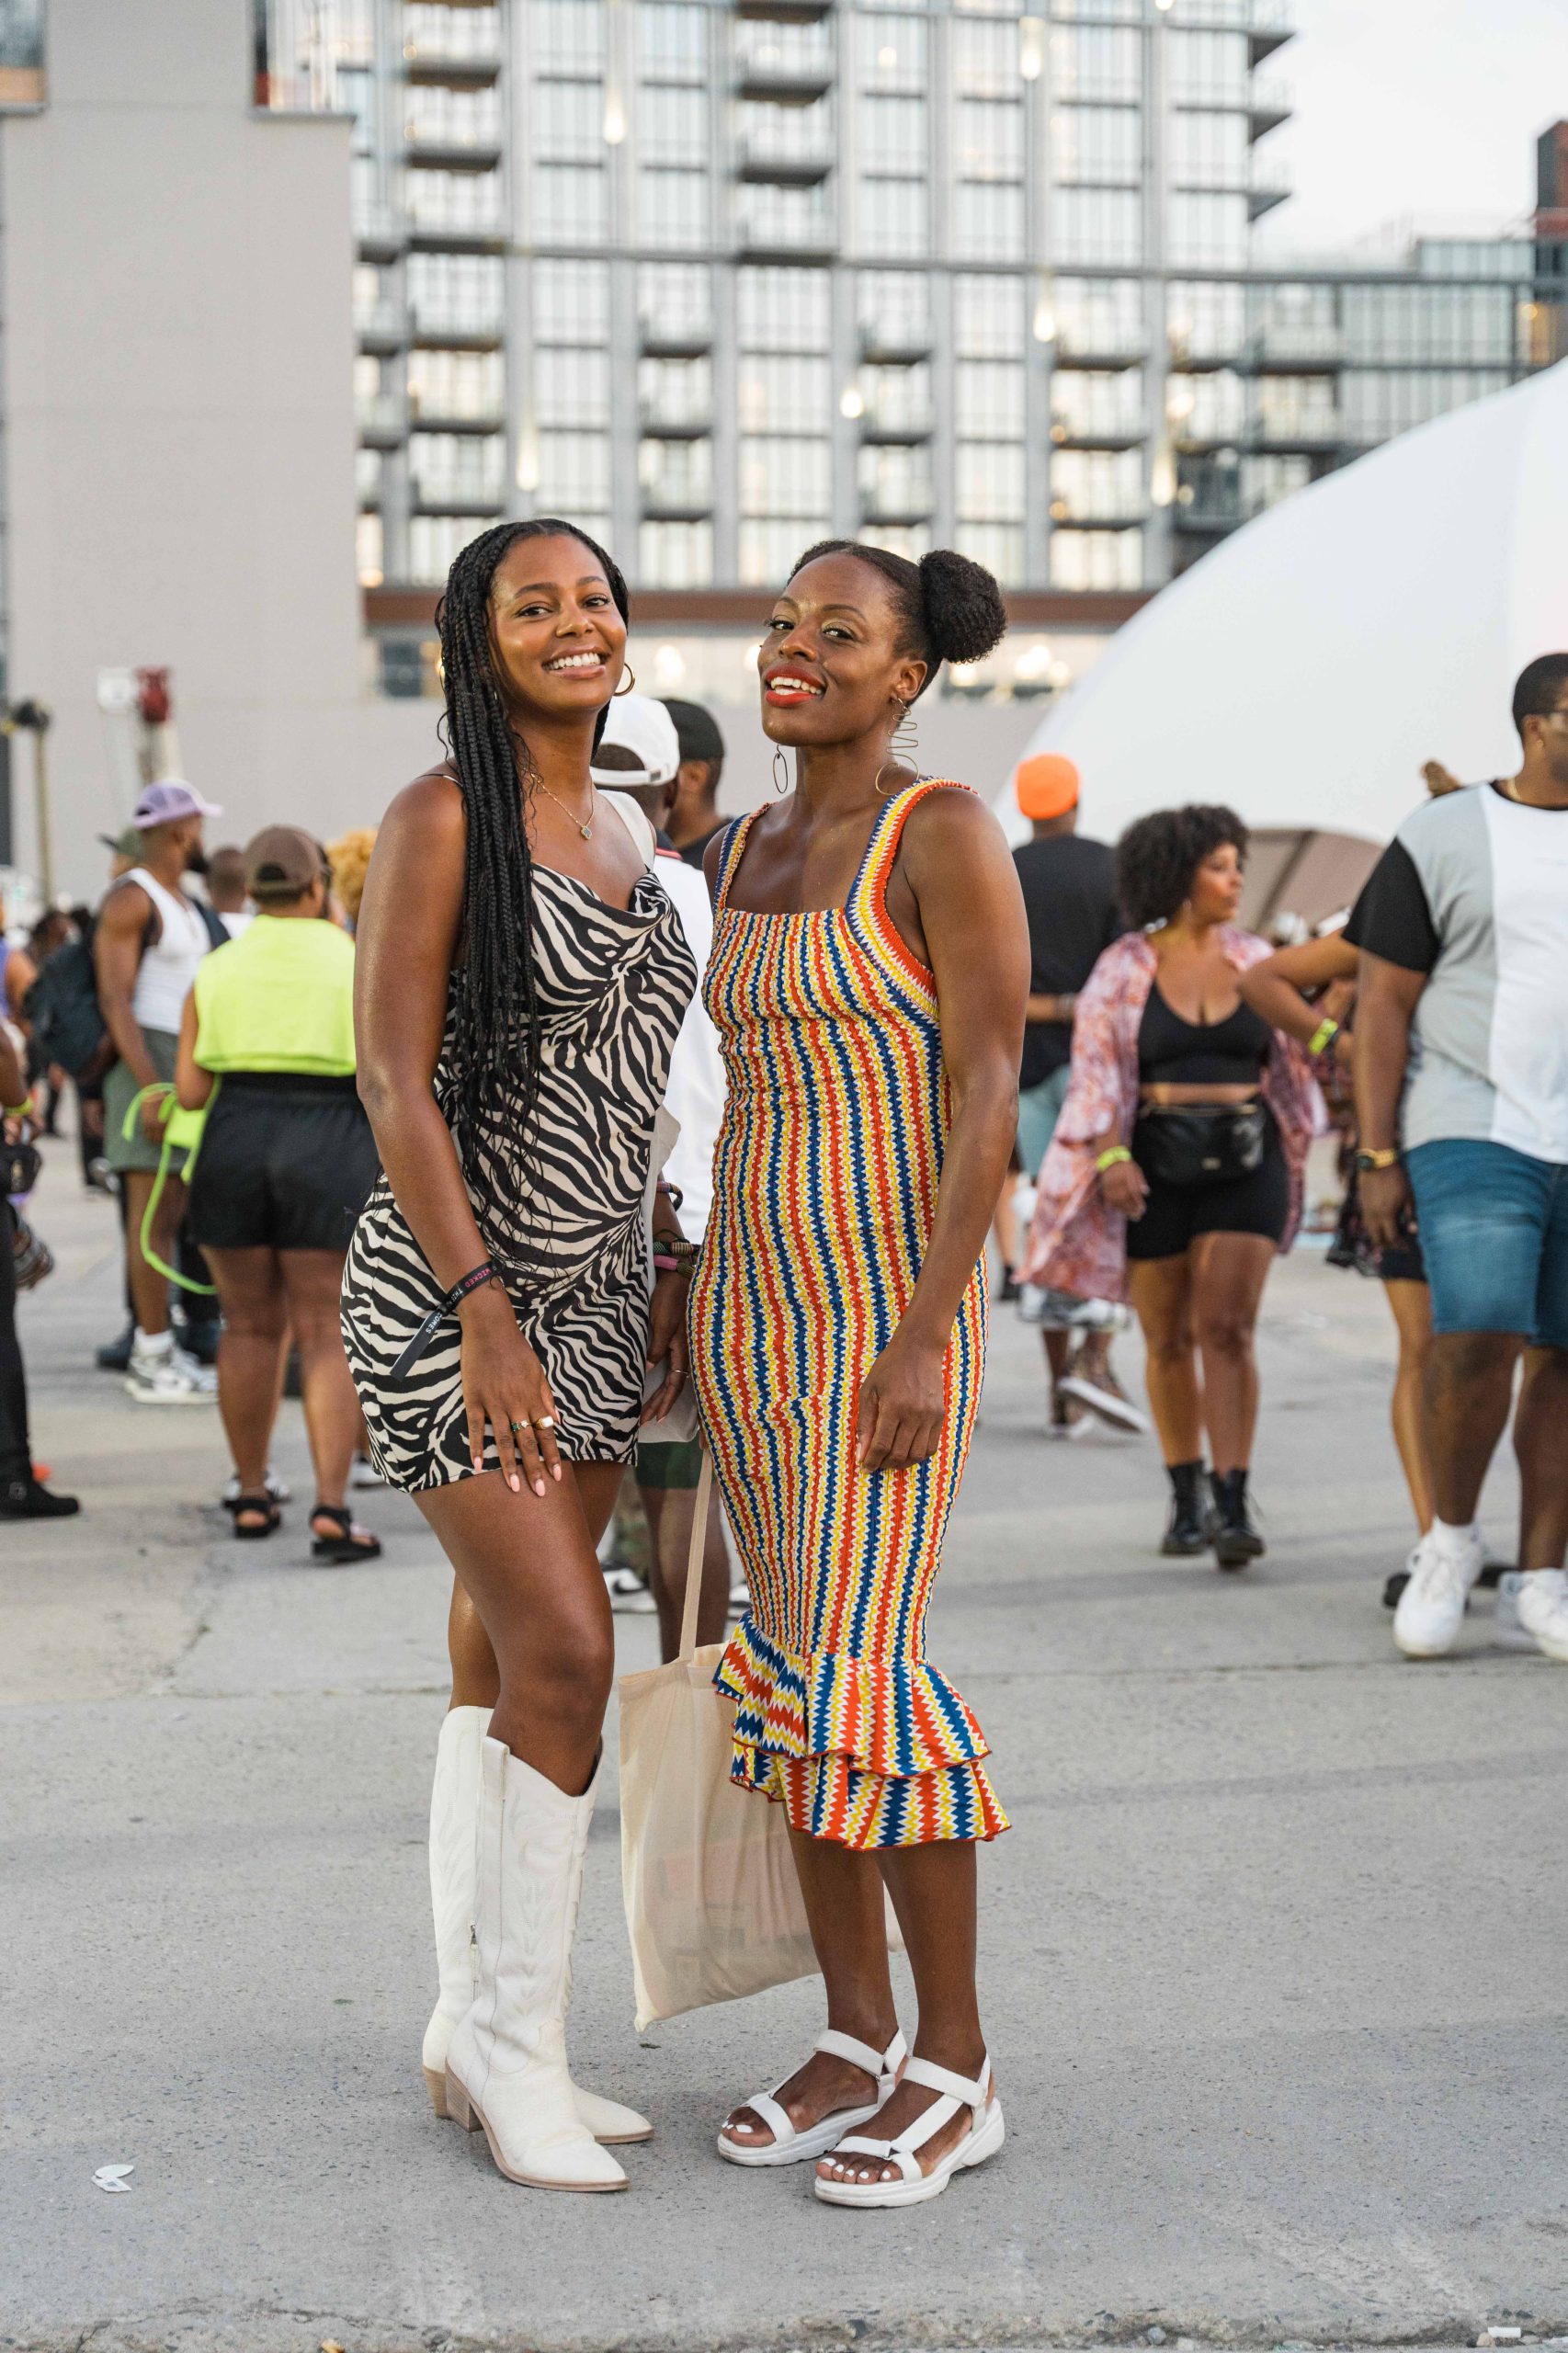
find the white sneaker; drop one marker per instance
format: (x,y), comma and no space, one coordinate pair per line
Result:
(1431,1608)
(1510,1634)
(168,1378)
(364,1473)
(204,1375)
(1542,1601)
(629,1596)
(278,1489)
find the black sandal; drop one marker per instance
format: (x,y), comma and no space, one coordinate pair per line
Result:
(271,1516)
(350,1543)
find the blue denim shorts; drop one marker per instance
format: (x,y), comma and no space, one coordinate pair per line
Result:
(1039,1107)
(1495,1235)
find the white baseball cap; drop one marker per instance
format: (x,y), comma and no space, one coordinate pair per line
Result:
(169,800)
(639,725)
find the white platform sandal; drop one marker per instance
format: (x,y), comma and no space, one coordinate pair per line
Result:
(984,2137)
(792,2147)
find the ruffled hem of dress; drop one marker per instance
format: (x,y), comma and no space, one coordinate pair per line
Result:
(866,1751)
(889,1715)
(832,1798)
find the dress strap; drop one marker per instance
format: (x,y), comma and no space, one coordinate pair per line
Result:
(868,898)
(731,852)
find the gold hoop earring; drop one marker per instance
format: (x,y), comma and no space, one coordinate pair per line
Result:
(630,682)
(781,771)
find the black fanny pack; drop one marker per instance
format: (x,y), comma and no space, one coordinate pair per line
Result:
(21,1166)
(1202,1143)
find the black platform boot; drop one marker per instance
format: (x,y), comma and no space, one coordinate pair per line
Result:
(1188,1532)
(1236,1540)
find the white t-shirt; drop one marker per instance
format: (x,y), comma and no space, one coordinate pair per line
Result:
(696,1092)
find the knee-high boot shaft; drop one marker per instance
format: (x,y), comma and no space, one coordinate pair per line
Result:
(507,2062)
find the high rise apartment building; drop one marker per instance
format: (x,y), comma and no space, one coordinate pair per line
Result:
(721,277)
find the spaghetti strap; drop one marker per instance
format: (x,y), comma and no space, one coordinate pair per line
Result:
(730,853)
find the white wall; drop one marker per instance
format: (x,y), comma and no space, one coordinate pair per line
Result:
(178,357)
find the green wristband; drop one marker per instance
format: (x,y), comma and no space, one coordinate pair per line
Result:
(1323,1035)
(1109,1159)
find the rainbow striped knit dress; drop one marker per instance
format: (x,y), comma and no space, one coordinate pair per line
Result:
(825,1191)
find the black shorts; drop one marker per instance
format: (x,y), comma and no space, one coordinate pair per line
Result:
(286,1163)
(1175,1215)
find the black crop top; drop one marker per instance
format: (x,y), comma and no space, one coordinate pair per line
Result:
(1201,1054)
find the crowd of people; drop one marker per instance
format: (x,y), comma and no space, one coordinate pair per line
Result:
(565,1133)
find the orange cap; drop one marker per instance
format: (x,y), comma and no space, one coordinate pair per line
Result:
(1047,785)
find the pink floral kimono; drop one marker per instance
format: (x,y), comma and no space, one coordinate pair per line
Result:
(1075,1243)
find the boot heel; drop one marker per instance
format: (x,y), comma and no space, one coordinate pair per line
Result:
(436,2084)
(458,2107)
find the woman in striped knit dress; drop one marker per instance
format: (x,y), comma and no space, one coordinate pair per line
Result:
(869,966)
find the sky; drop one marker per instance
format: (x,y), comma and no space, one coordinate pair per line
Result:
(1412,111)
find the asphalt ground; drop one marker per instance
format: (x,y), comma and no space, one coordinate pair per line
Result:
(1272,1958)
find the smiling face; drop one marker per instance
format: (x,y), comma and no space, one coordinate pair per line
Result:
(831,662)
(1216,891)
(556,639)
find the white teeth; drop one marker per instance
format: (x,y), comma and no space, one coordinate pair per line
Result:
(785,686)
(574,662)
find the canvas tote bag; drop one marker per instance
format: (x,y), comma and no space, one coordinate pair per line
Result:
(713,1907)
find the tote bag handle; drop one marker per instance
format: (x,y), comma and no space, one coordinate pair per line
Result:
(694,1558)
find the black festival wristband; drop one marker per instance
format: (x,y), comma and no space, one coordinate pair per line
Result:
(425,1333)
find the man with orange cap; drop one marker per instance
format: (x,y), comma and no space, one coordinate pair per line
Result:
(1070,901)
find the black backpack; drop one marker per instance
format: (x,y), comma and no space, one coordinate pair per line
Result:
(62,1005)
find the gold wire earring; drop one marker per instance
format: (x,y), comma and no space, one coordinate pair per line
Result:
(904,746)
(630,682)
(780,770)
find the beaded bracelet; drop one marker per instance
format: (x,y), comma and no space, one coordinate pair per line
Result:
(1108,1159)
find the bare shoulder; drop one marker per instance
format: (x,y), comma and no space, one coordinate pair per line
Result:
(430,810)
(953,823)
(126,906)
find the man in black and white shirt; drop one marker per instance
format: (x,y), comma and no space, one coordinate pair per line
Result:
(1462,1088)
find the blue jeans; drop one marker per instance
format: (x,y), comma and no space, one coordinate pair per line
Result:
(1495,1235)
(1039,1107)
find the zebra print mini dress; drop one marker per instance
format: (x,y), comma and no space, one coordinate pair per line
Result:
(571,1236)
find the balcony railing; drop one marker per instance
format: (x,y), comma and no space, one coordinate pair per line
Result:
(912,503)
(439,412)
(456,330)
(1120,432)
(784,163)
(1085,344)
(1298,429)
(896,421)
(438,494)
(1294,345)
(674,337)
(1269,103)
(380,326)
(795,82)
(381,417)
(786,241)
(1100,510)
(895,342)
(675,420)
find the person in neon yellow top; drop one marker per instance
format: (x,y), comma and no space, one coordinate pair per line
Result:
(285,1162)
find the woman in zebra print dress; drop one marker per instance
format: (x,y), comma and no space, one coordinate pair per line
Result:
(521,979)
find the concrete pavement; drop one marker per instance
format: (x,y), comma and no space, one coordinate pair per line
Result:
(1272,1958)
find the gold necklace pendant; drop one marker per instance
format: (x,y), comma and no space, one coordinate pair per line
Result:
(585,830)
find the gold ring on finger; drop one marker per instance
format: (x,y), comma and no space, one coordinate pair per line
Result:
(545,1422)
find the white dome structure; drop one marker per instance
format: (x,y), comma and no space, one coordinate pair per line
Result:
(1305,668)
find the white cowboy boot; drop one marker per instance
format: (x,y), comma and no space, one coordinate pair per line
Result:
(507,2060)
(454,1867)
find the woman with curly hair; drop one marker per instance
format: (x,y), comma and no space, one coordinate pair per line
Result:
(1175,1171)
(521,979)
(870,961)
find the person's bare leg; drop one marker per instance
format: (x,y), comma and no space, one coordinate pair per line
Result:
(1004,1224)
(1160,1290)
(529,1565)
(1540,1441)
(1229,1271)
(312,1283)
(669,1513)
(476,1678)
(1057,1349)
(1466,1394)
(933,1890)
(150,1289)
(1411,1305)
(250,1354)
(842,1892)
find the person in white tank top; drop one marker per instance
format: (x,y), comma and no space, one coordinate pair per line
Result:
(149,940)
